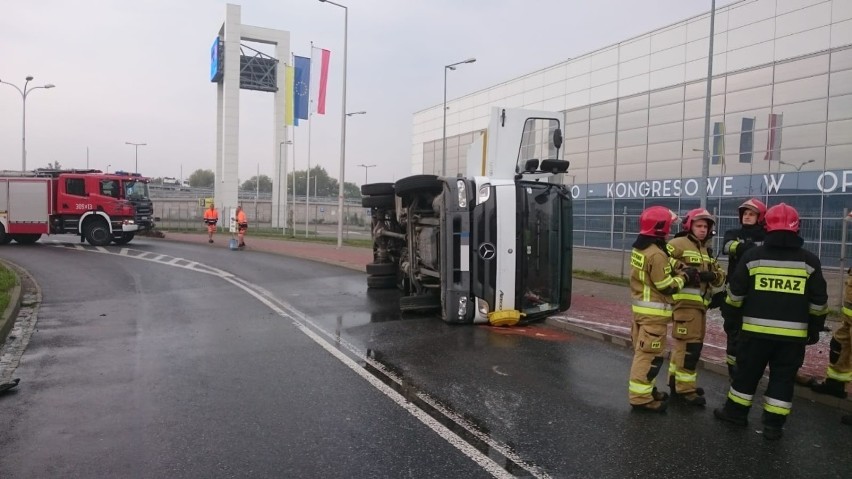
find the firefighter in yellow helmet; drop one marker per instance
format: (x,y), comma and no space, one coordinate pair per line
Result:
(689,316)
(654,277)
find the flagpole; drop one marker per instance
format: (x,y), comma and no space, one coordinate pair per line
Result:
(308,179)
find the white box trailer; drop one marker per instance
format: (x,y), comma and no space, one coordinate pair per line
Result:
(25,208)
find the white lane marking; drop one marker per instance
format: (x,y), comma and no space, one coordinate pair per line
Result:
(102,249)
(159,257)
(80,247)
(123,252)
(301,321)
(175,261)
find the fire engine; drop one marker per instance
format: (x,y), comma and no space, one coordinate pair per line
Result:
(491,247)
(88,203)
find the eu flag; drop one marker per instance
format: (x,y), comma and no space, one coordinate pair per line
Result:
(301,86)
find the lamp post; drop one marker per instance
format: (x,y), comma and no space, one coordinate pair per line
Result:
(451,66)
(136,146)
(366,168)
(108,168)
(24,92)
(705,157)
(342,126)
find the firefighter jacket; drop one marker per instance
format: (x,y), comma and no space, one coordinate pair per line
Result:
(693,253)
(211,217)
(737,241)
(654,277)
(778,291)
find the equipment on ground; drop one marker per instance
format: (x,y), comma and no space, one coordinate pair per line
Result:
(481,249)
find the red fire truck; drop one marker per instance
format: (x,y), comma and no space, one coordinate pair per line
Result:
(88,203)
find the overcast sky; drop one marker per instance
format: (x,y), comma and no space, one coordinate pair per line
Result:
(139,72)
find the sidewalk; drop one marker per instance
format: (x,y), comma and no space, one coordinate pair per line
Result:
(599,310)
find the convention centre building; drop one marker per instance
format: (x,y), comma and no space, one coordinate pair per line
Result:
(634,120)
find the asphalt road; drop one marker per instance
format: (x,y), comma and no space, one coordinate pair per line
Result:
(246,364)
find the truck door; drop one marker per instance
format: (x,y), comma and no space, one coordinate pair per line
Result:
(71,196)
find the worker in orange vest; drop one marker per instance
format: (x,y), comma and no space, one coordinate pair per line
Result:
(211,218)
(242,226)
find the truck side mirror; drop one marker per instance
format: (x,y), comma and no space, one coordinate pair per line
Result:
(557,138)
(531,165)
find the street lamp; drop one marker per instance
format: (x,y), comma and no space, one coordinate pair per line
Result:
(108,168)
(136,146)
(366,168)
(705,157)
(24,92)
(342,126)
(799,167)
(451,66)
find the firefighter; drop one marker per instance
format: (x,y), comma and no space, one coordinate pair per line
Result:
(690,304)
(654,278)
(242,226)
(211,218)
(777,302)
(839,372)
(735,243)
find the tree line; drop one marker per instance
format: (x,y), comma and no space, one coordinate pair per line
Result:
(321,183)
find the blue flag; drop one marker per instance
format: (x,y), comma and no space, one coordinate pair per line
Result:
(301,87)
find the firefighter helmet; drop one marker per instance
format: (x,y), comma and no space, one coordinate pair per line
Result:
(782,217)
(656,221)
(755,205)
(698,214)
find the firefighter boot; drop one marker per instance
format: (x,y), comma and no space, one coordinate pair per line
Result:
(659,395)
(653,406)
(733,413)
(830,386)
(695,398)
(773,426)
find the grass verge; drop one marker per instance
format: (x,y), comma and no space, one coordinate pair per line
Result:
(276,234)
(7,282)
(600,276)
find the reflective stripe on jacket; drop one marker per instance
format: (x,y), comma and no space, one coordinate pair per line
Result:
(693,253)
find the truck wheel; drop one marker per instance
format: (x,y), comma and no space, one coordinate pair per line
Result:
(4,238)
(381,282)
(377,189)
(418,184)
(381,269)
(123,239)
(382,201)
(422,302)
(26,238)
(97,233)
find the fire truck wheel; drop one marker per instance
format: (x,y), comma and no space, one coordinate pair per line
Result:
(26,238)
(123,239)
(4,238)
(97,233)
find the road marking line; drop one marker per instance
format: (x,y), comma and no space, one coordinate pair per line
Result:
(123,252)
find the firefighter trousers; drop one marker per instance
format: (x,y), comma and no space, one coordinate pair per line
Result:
(649,344)
(688,331)
(840,352)
(753,355)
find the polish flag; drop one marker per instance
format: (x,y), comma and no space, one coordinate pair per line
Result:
(319,78)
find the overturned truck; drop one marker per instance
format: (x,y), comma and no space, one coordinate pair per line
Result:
(492,247)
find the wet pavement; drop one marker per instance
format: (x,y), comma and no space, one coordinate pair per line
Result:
(201,375)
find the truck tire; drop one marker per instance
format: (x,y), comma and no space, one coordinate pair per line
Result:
(4,238)
(123,239)
(97,233)
(381,282)
(382,201)
(418,303)
(381,269)
(377,189)
(26,238)
(418,184)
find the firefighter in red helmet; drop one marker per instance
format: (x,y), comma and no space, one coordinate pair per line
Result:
(777,303)
(735,243)
(654,278)
(690,247)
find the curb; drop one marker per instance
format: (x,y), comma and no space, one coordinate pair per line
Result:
(711,366)
(7,320)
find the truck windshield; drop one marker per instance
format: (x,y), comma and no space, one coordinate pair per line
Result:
(136,190)
(541,243)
